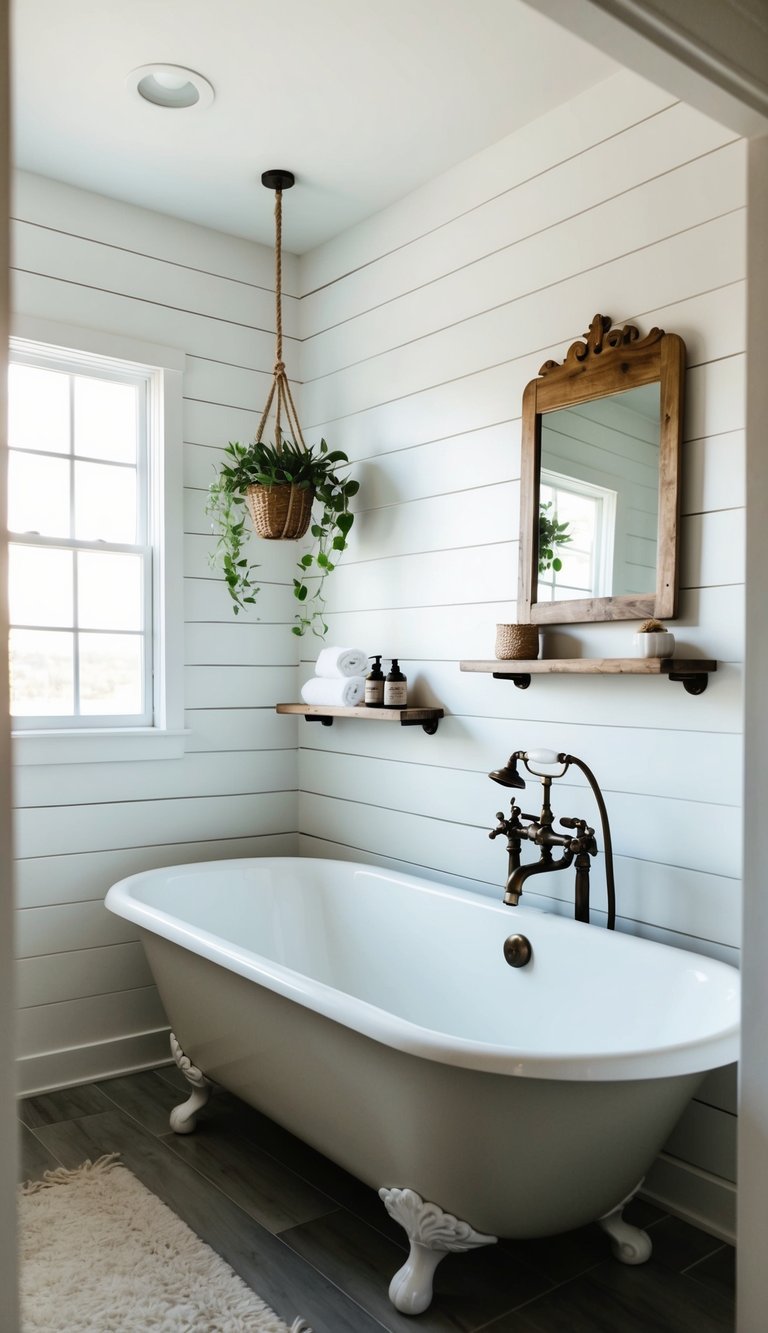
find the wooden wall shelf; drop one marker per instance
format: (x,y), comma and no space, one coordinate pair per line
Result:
(426,718)
(693,673)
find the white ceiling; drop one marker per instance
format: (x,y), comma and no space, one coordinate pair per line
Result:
(363,99)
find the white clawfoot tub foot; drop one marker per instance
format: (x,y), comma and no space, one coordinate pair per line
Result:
(184,1117)
(630,1245)
(432,1234)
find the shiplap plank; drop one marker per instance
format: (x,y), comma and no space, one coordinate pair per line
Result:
(52,978)
(638,218)
(544,202)
(653,896)
(311,844)
(564,132)
(114,222)
(468,630)
(240,643)
(43,881)
(59,830)
(195,775)
(236,686)
(76,259)
(102,1018)
(203,335)
(706,1137)
(713,473)
(487,396)
(706,256)
(210,381)
(630,758)
(73,926)
(600,701)
(226,729)
(688,834)
(713,549)
(207,599)
(214,425)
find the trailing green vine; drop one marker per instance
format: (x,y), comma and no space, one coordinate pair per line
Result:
(313,468)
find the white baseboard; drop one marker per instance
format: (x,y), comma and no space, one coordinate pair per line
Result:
(704,1200)
(85,1064)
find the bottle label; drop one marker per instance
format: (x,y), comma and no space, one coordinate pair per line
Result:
(374,692)
(395,693)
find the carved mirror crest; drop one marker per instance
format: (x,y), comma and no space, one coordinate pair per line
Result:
(600,479)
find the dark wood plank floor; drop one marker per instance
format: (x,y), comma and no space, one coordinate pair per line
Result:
(312,1240)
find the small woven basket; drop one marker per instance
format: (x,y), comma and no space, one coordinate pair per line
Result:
(280,512)
(517,641)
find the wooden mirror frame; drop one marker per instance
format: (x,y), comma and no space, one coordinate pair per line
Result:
(610,361)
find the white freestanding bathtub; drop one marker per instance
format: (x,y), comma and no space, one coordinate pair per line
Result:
(375,1016)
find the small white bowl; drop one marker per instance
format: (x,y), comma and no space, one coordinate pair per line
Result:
(656,643)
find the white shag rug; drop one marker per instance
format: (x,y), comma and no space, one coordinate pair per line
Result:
(101,1254)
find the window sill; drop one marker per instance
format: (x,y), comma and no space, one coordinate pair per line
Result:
(97,747)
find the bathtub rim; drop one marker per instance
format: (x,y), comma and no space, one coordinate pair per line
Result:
(698,1055)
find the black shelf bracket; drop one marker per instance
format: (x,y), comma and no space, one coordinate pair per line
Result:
(315,717)
(521,679)
(693,682)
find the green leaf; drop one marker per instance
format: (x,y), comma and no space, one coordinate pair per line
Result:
(306,560)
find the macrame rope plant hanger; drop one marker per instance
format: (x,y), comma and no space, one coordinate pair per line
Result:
(280,512)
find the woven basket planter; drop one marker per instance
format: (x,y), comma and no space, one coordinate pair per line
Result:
(280,513)
(517,641)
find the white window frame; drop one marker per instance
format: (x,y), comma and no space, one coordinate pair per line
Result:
(164,736)
(605,501)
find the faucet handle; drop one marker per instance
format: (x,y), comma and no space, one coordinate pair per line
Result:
(586,835)
(503,825)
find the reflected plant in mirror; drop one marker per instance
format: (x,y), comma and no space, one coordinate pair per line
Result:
(553,535)
(600,474)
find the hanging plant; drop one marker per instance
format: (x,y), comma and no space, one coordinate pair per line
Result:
(308,473)
(279,484)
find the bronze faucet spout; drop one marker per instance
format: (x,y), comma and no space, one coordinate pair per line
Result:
(515,881)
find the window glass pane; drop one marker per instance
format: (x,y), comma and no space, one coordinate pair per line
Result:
(105,419)
(40,586)
(109,591)
(105,503)
(38,409)
(38,494)
(41,673)
(111,673)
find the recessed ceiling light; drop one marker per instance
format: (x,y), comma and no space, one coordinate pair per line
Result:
(171,86)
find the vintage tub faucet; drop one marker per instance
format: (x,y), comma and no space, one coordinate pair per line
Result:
(577,839)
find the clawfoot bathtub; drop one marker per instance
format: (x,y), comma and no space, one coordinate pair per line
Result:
(375,1016)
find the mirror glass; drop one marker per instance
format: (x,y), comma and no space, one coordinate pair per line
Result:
(598,497)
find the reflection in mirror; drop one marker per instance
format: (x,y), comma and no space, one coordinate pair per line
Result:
(600,479)
(598,497)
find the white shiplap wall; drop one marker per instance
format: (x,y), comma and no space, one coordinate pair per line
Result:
(87,1003)
(421,328)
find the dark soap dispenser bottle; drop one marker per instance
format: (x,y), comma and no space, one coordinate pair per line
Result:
(374,684)
(395,687)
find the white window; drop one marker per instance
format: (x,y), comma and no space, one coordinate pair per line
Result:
(94,524)
(587,557)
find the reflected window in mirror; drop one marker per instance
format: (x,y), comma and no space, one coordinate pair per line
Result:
(577,525)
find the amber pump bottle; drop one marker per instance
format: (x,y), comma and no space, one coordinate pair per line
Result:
(395,687)
(374,684)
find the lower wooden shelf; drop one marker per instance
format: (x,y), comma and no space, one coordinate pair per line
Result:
(693,673)
(426,718)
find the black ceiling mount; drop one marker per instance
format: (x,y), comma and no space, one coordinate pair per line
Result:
(278,180)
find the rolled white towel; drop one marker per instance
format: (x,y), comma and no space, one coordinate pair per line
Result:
(340,692)
(333,662)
